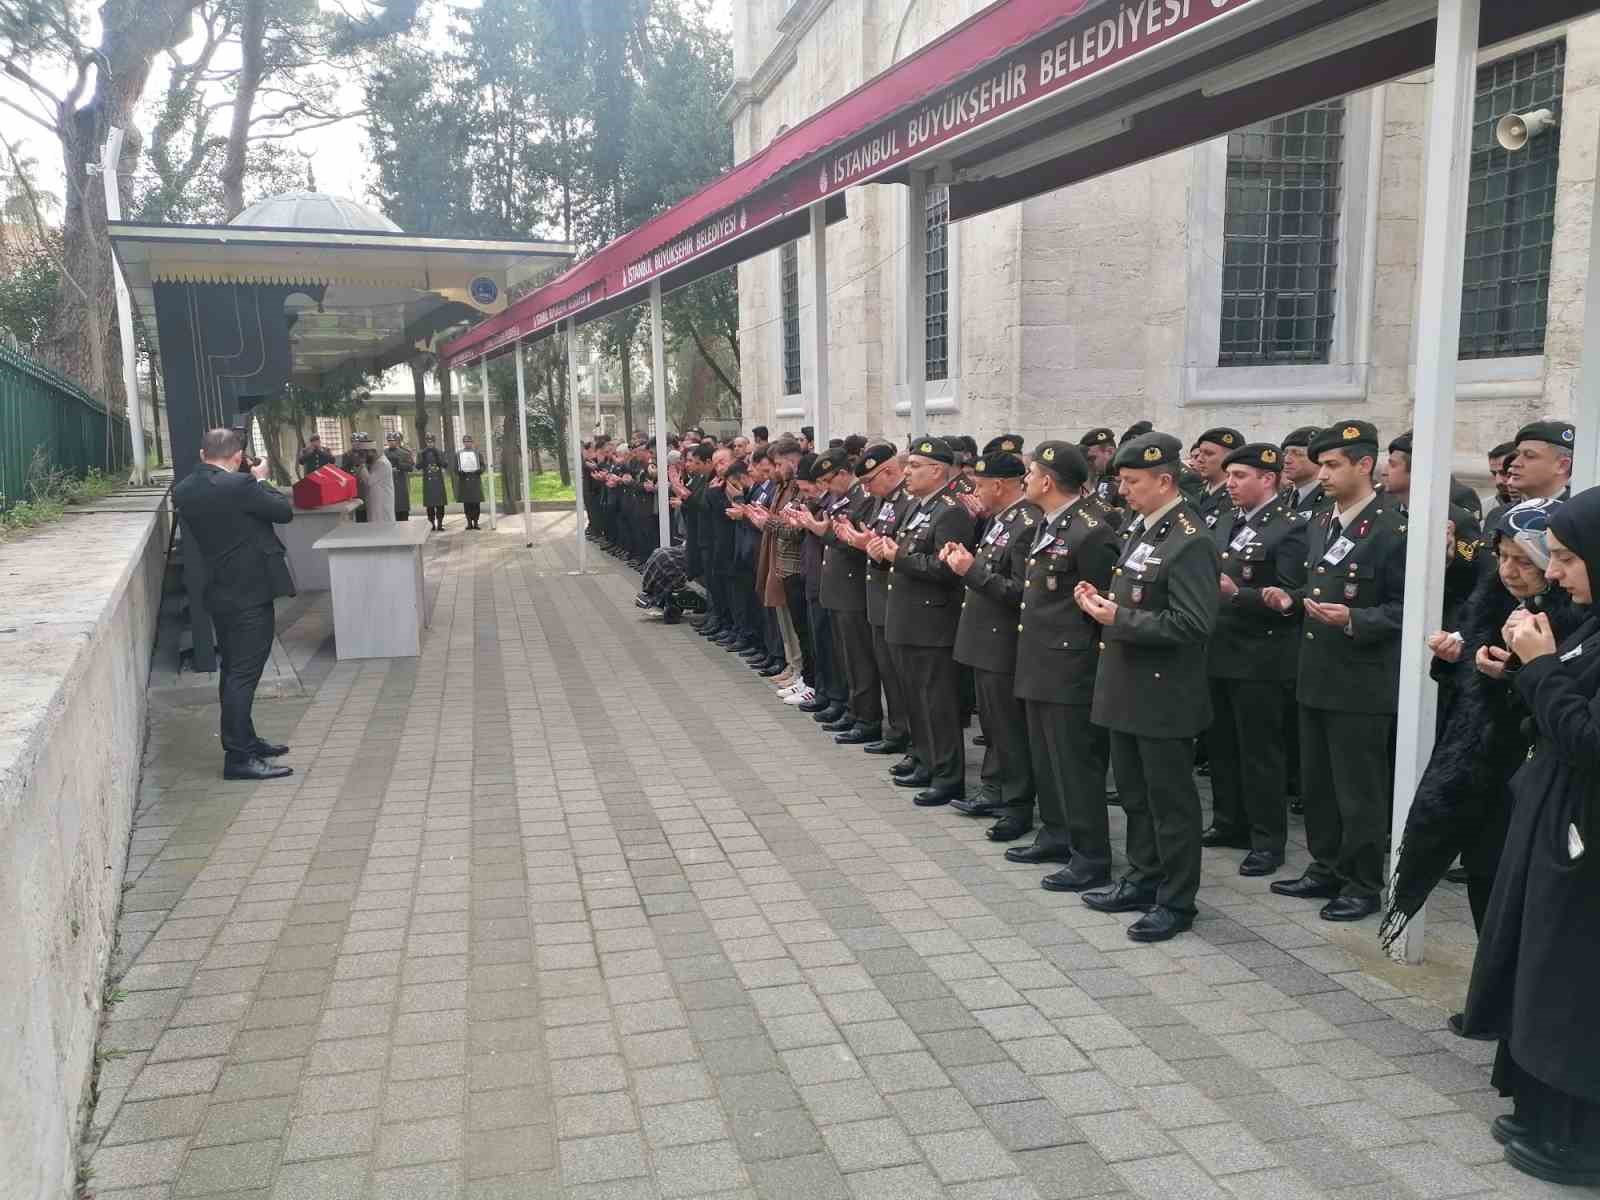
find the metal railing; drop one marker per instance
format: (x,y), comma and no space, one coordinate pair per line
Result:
(47,419)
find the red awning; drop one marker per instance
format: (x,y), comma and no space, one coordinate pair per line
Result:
(752,194)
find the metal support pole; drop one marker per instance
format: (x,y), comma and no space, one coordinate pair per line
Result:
(1449,156)
(488,440)
(658,380)
(1586,415)
(914,273)
(522,435)
(130,373)
(461,407)
(821,413)
(576,438)
(594,382)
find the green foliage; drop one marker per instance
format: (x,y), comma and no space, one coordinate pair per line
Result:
(48,491)
(28,282)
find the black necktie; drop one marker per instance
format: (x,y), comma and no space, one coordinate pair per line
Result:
(1335,530)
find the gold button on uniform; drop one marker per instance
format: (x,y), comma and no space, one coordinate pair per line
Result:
(1019,628)
(1316,591)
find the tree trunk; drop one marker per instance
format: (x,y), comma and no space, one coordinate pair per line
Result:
(253,54)
(560,413)
(625,348)
(419,395)
(447,412)
(155,415)
(511,460)
(270,431)
(705,353)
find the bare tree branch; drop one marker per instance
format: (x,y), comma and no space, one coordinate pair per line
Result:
(38,219)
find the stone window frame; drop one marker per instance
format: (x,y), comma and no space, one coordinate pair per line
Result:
(942,395)
(1346,377)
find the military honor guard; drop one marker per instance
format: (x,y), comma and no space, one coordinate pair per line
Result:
(1150,688)
(1252,660)
(921,610)
(986,641)
(1348,678)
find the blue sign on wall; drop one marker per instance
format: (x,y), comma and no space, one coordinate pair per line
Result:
(483,290)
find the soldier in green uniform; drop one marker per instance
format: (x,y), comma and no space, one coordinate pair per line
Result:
(1150,689)
(1302,485)
(921,611)
(986,641)
(845,513)
(1205,459)
(1099,446)
(882,476)
(1057,650)
(1351,604)
(1252,661)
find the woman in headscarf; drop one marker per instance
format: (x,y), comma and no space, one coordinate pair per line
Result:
(1536,978)
(1463,800)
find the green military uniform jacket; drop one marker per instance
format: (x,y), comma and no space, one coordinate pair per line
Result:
(1105,490)
(1058,644)
(1152,676)
(1365,568)
(844,568)
(882,518)
(1307,508)
(922,605)
(1253,640)
(986,637)
(1212,505)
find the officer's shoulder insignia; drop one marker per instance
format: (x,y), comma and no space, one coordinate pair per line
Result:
(1467,551)
(1027,520)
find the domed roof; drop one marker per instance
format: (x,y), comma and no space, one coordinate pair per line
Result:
(313,210)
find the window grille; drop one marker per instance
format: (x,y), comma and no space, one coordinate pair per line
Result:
(392,423)
(1511,202)
(936,338)
(1280,241)
(331,431)
(789,263)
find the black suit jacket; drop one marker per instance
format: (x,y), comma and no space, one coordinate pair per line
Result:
(1058,644)
(1254,640)
(986,636)
(230,515)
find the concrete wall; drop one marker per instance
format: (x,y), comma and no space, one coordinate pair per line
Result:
(78,604)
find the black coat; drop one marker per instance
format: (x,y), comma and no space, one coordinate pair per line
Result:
(433,463)
(1536,974)
(1254,640)
(986,637)
(403,462)
(844,568)
(469,484)
(1058,644)
(314,459)
(230,515)
(882,518)
(923,604)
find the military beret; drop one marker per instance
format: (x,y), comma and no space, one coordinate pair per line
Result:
(1300,437)
(1264,456)
(1100,436)
(874,456)
(1402,443)
(1063,460)
(1557,433)
(1149,450)
(1008,443)
(962,444)
(1228,439)
(1133,431)
(935,448)
(1341,435)
(1000,465)
(826,464)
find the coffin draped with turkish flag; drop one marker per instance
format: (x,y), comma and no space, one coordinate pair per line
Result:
(324,486)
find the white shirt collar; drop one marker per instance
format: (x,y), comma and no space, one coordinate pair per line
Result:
(1155,517)
(1250,516)
(1347,515)
(1303,490)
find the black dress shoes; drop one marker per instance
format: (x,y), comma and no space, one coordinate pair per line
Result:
(1217,836)
(1070,879)
(984,804)
(1507,1129)
(858,735)
(916,779)
(266,749)
(1122,896)
(887,746)
(935,796)
(1039,854)
(814,706)
(1458,1026)
(1307,887)
(769,671)
(253,768)
(828,715)
(905,766)
(1159,924)
(844,724)
(1575,1166)
(1349,908)
(1007,829)
(1260,862)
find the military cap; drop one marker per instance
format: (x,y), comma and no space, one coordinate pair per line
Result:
(1063,460)
(1000,465)
(1006,443)
(935,448)
(1099,436)
(1263,456)
(826,464)
(1300,437)
(391,437)
(360,438)
(1557,433)
(963,444)
(1135,430)
(1341,435)
(1228,439)
(874,456)
(1149,450)
(1402,443)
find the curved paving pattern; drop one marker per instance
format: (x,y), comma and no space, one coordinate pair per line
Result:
(570,907)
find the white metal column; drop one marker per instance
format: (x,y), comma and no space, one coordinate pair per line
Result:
(130,372)
(522,436)
(914,285)
(1586,413)
(821,417)
(487,453)
(575,437)
(461,407)
(1449,156)
(658,380)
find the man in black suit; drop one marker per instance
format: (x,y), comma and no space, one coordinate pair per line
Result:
(230,515)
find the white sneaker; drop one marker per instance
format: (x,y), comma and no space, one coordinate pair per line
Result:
(804,696)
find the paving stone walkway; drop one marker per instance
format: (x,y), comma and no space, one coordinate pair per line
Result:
(570,906)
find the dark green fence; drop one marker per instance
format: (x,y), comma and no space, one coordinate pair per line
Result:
(46,419)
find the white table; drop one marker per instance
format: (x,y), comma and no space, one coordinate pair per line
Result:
(308,564)
(376,573)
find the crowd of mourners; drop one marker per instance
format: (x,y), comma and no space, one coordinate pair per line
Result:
(1122,608)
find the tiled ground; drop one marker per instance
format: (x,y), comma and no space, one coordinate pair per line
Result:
(569,906)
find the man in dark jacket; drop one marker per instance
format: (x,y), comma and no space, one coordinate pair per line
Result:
(230,515)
